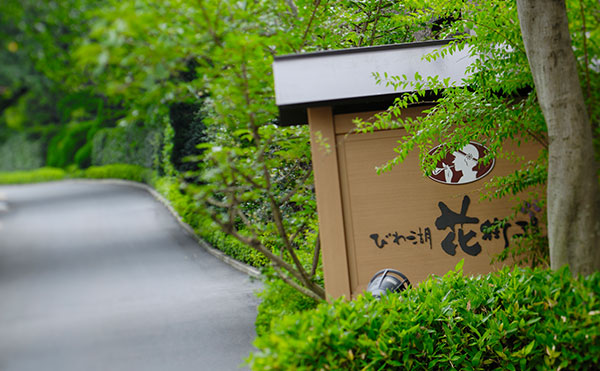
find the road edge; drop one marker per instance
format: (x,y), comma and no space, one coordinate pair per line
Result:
(236,264)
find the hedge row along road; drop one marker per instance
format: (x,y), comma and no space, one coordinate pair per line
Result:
(101,277)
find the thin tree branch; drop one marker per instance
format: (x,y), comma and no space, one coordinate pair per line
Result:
(293,7)
(317,252)
(538,139)
(310,21)
(286,242)
(216,203)
(246,177)
(301,289)
(495,30)
(277,217)
(300,184)
(211,30)
(298,231)
(244,218)
(374,28)
(364,29)
(255,244)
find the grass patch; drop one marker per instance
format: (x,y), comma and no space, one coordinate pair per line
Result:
(44,174)
(119,171)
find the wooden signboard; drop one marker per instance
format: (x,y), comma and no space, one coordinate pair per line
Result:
(401,219)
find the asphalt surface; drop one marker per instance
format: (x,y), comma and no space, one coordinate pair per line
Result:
(97,276)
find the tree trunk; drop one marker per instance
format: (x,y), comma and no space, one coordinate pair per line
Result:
(573,194)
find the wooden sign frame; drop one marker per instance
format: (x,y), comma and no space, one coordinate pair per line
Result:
(347,263)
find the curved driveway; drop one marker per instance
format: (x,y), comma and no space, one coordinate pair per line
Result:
(97,276)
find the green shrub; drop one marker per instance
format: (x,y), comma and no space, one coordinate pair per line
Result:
(119,171)
(519,319)
(83,156)
(163,162)
(131,144)
(187,208)
(279,299)
(66,144)
(229,244)
(18,152)
(44,174)
(189,131)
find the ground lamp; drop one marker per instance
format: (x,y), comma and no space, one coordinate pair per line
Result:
(387,281)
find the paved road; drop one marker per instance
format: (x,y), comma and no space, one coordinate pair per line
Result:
(97,276)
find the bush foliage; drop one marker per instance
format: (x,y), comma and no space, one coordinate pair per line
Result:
(279,299)
(131,144)
(512,319)
(68,146)
(188,132)
(187,209)
(119,171)
(44,174)
(18,152)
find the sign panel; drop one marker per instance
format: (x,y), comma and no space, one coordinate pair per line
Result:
(416,224)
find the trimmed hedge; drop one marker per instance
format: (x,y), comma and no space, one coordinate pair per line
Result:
(508,320)
(18,153)
(68,145)
(44,174)
(132,144)
(119,171)
(189,131)
(186,207)
(279,299)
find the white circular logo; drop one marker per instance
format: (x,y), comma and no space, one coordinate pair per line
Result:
(462,166)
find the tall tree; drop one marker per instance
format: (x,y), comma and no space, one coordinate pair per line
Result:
(572,187)
(258,183)
(524,83)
